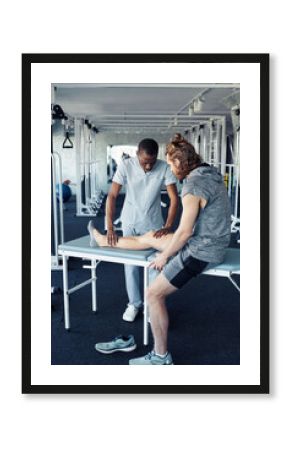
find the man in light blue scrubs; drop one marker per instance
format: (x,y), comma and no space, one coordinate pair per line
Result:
(143,176)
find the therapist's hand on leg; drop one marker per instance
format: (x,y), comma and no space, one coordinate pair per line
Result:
(112,238)
(162,232)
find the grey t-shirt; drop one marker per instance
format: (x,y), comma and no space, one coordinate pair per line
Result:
(142,205)
(212,231)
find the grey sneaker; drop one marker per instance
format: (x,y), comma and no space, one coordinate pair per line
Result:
(118,344)
(152,359)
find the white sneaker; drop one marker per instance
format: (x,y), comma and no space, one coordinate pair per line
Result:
(130,313)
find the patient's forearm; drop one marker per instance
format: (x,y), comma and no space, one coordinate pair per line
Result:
(179,239)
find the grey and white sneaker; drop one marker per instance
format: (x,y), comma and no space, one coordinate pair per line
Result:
(130,313)
(152,359)
(118,344)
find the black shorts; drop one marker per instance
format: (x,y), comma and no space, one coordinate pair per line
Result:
(182,267)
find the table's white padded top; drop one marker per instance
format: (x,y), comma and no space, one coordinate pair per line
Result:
(83,245)
(231,262)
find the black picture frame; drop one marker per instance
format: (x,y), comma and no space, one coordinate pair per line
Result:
(263,61)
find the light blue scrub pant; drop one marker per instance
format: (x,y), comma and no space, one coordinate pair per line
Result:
(132,273)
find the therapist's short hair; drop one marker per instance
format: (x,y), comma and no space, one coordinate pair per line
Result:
(149,146)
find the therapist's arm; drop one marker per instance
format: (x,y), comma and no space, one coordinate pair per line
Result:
(112,237)
(172,211)
(191,206)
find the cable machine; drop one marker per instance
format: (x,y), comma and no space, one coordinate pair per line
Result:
(209,139)
(235,149)
(89,197)
(56,199)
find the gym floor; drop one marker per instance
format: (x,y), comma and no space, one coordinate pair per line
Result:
(204,315)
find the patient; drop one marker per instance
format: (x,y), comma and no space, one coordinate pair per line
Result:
(202,236)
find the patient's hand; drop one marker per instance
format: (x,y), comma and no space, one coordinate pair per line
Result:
(159,262)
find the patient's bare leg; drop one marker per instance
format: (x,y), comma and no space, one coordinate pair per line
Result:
(143,242)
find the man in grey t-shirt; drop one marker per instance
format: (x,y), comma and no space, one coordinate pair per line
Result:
(202,237)
(211,233)
(143,176)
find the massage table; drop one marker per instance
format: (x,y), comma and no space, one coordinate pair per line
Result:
(80,248)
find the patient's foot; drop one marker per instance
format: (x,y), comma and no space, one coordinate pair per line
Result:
(97,239)
(91,228)
(100,239)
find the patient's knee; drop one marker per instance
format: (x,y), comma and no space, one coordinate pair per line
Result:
(147,238)
(153,295)
(149,234)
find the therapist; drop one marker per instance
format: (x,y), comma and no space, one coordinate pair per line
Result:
(143,176)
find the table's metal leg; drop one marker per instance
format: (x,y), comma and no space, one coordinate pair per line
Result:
(94,286)
(65,292)
(234,283)
(145,325)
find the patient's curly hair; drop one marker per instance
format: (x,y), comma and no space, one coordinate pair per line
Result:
(180,149)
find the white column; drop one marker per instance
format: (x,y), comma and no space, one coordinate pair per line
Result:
(65,292)
(94,286)
(78,168)
(223,146)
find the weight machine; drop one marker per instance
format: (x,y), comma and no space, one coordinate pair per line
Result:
(89,197)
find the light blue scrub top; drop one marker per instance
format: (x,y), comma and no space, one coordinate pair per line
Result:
(142,205)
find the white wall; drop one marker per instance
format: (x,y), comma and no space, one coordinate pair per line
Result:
(108,138)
